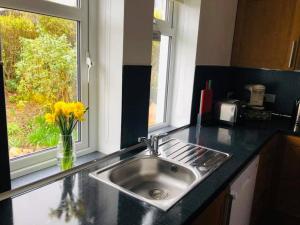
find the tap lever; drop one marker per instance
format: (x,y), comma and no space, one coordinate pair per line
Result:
(153,142)
(158,136)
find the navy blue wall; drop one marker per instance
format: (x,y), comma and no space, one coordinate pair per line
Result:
(284,84)
(4,157)
(135,104)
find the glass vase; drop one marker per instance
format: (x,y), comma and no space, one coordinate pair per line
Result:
(66,155)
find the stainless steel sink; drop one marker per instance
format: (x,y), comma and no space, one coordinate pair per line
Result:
(164,180)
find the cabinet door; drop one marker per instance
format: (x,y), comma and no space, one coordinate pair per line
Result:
(263,34)
(242,190)
(287,199)
(214,214)
(266,179)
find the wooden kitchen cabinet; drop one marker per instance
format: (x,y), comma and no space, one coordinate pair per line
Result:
(267,34)
(277,188)
(215,213)
(277,191)
(265,179)
(287,197)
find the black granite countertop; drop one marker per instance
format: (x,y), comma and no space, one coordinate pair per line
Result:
(91,202)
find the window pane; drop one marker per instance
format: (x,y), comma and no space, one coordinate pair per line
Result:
(160,58)
(66,2)
(40,67)
(160,9)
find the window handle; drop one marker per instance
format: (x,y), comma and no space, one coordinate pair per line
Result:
(89,63)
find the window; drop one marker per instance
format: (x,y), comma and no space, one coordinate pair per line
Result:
(160,9)
(40,68)
(161,56)
(72,3)
(43,54)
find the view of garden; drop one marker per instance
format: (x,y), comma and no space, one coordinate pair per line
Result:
(39,55)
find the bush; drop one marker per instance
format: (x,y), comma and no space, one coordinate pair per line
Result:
(11,85)
(43,134)
(12,27)
(14,132)
(13,129)
(58,27)
(46,70)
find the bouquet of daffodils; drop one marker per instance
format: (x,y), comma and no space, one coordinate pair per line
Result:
(66,116)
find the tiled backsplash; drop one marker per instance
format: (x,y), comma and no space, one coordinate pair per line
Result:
(284,84)
(135,103)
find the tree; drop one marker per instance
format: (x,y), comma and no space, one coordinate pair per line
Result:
(58,27)
(46,70)
(13,26)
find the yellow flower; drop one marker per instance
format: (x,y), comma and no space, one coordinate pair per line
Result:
(79,110)
(50,118)
(79,106)
(58,107)
(67,109)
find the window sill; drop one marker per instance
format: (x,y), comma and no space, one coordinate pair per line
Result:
(35,176)
(168,129)
(161,130)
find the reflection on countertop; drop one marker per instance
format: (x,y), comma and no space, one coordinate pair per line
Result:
(79,199)
(42,174)
(70,206)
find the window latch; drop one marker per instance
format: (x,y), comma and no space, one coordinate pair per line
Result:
(89,63)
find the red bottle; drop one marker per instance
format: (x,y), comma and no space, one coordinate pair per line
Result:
(206,102)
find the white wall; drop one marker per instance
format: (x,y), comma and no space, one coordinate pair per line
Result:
(216,31)
(109,69)
(138,17)
(124,38)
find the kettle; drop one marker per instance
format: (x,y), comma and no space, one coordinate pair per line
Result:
(257,94)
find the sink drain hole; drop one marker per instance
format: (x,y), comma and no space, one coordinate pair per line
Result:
(158,194)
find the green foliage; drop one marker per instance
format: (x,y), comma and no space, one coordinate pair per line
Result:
(13,26)
(43,134)
(12,99)
(11,85)
(13,128)
(14,132)
(36,133)
(46,69)
(58,27)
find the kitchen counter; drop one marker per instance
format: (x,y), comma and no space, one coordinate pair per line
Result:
(79,199)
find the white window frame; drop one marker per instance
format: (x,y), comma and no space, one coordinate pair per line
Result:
(45,158)
(167,28)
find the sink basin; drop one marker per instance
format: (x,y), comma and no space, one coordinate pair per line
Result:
(152,179)
(164,180)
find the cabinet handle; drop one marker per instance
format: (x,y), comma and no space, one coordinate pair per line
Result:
(292,54)
(227,210)
(292,61)
(296,55)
